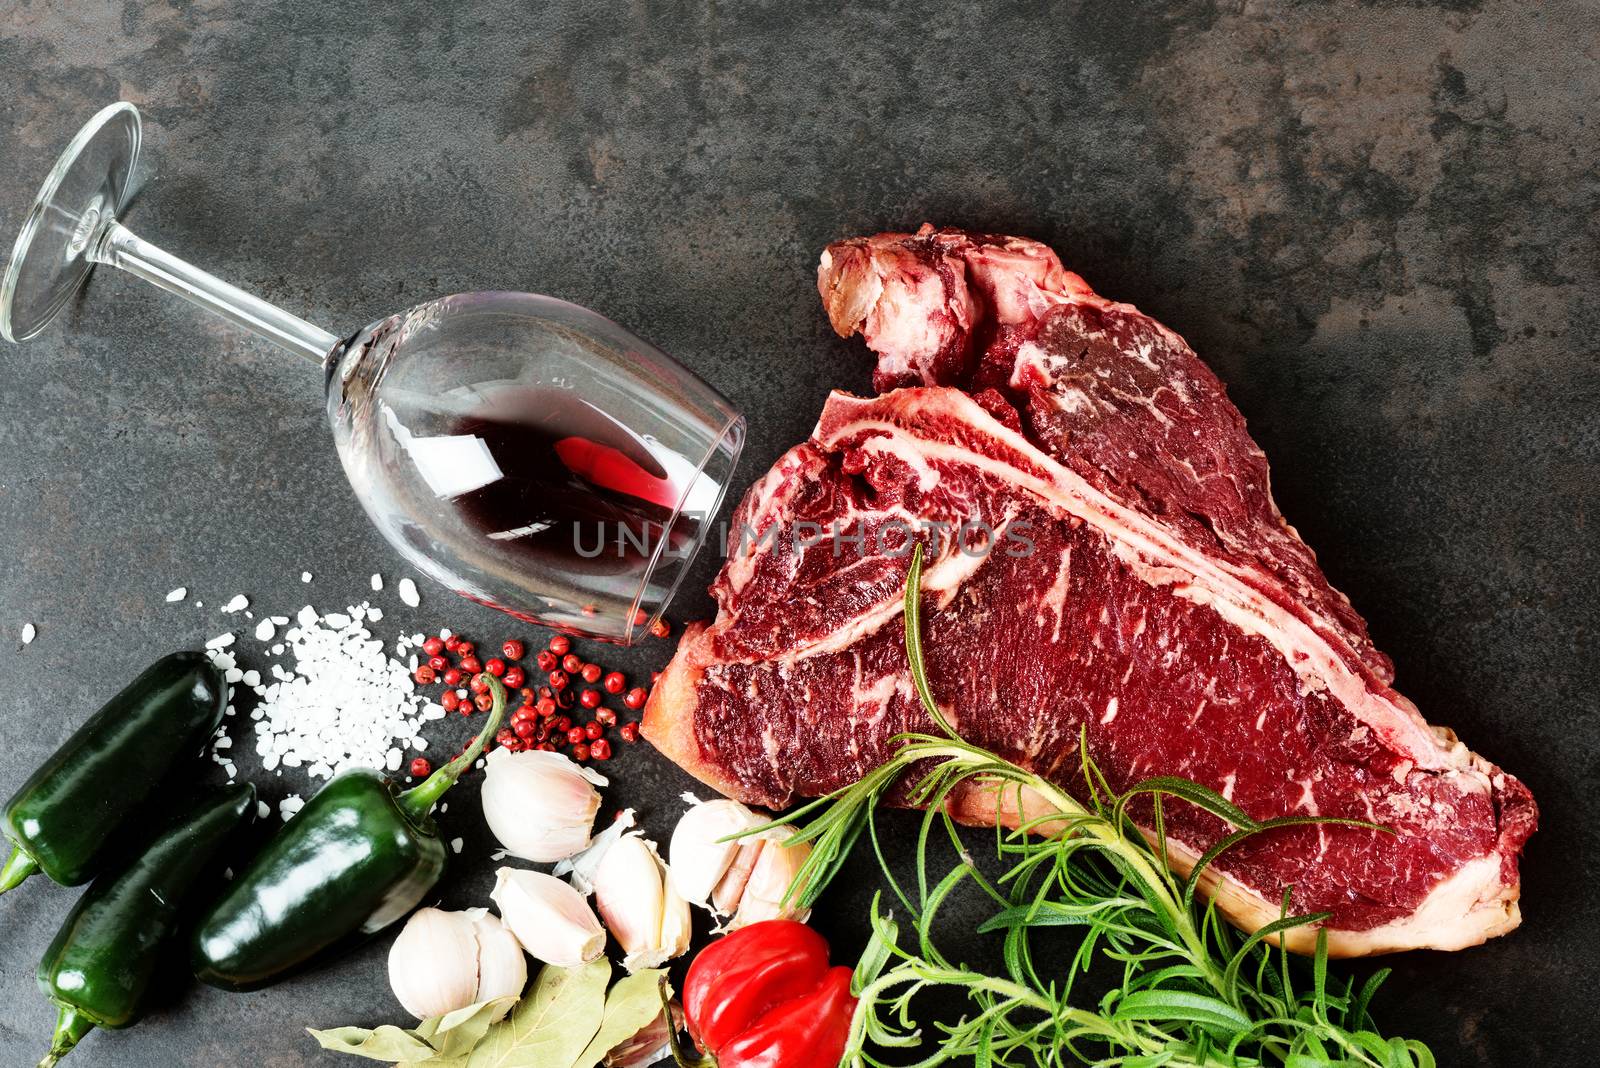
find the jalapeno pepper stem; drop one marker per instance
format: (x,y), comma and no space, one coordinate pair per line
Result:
(418,801)
(71,1026)
(17,868)
(685,1058)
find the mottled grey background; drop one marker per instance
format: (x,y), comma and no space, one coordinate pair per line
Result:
(1376,221)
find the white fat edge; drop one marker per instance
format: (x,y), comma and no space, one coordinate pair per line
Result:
(1159,558)
(903,336)
(927,474)
(763,496)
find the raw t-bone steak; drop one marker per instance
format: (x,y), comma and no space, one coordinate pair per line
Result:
(1141,586)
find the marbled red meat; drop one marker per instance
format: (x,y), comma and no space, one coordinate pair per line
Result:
(1139,586)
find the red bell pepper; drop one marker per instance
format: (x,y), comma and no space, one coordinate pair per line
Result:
(764,997)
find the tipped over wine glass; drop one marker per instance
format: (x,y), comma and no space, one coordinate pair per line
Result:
(525,452)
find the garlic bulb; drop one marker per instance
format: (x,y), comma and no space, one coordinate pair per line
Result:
(775,870)
(636,899)
(698,856)
(540,805)
(551,919)
(443,961)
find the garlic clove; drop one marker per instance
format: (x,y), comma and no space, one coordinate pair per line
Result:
(697,855)
(502,964)
(628,894)
(551,919)
(775,871)
(725,898)
(541,806)
(433,963)
(677,926)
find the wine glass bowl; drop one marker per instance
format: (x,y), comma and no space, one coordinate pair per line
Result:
(528,453)
(533,455)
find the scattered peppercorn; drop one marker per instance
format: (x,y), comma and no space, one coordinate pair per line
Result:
(466,648)
(559,680)
(545,706)
(495,666)
(438,663)
(424,675)
(511,649)
(572,663)
(483,701)
(592,672)
(448,700)
(514,678)
(560,645)
(507,738)
(600,749)
(547,661)
(580,752)
(524,730)
(469,665)
(420,768)
(477,685)
(635,697)
(605,717)
(452,644)
(593,730)
(451,677)
(661,628)
(615,682)
(629,732)
(589,699)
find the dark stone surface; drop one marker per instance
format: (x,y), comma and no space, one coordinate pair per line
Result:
(1377,222)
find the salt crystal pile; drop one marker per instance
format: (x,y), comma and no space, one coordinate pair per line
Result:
(346,703)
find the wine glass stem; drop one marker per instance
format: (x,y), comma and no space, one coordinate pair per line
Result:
(121,247)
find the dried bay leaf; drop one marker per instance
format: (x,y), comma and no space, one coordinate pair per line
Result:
(633,1004)
(551,1026)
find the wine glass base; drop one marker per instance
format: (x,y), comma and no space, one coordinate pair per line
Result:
(88,186)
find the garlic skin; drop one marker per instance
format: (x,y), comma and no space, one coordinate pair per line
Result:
(541,806)
(698,857)
(551,919)
(633,891)
(433,963)
(444,961)
(775,870)
(649,1046)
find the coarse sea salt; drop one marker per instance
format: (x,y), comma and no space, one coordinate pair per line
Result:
(345,704)
(239,603)
(408,593)
(28,632)
(178,594)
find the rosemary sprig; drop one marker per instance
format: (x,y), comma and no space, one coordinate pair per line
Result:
(1193,991)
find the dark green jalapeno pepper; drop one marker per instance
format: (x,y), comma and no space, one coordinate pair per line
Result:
(359,856)
(99,967)
(82,800)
